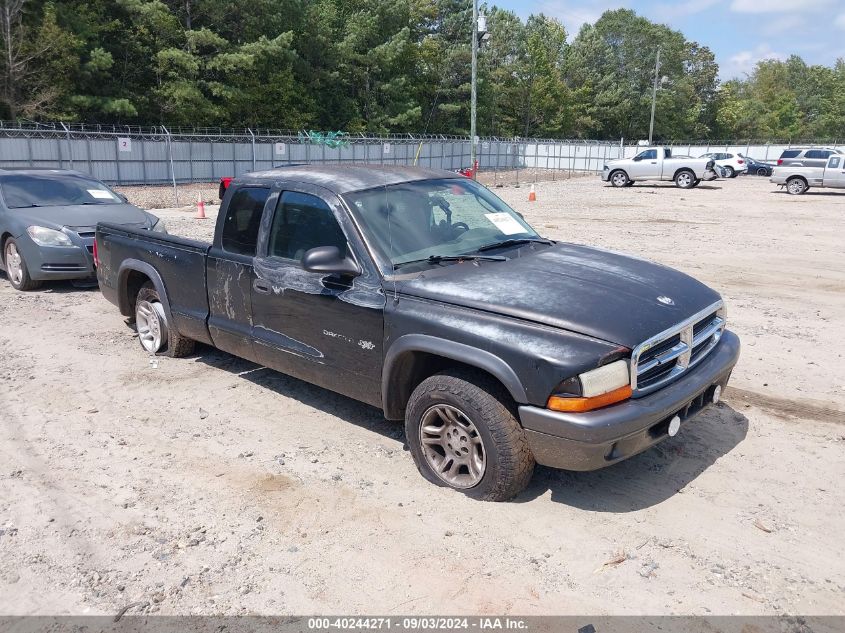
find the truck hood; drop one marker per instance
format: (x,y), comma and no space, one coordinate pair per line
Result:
(598,293)
(87,215)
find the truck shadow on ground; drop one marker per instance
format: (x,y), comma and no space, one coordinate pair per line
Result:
(650,477)
(335,404)
(640,482)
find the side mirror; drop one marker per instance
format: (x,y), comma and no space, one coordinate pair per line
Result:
(122,197)
(328,260)
(637,159)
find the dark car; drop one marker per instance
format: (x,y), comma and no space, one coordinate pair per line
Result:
(759,168)
(423,294)
(47,221)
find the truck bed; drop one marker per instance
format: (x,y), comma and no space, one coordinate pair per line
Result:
(176,265)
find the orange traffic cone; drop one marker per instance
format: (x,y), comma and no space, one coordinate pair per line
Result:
(200,208)
(532,195)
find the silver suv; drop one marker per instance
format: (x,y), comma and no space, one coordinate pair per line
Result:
(806,157)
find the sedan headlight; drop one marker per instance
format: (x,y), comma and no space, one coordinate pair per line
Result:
(48,237)
(159,226)
(593,389)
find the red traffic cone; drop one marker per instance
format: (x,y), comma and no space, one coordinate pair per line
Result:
(200,208)
(532,195)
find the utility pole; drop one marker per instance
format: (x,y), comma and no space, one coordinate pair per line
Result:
(473,93)
(654,95)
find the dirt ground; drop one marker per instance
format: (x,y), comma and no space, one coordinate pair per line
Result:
(210,485)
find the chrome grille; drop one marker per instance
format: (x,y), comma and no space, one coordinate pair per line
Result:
(665,357)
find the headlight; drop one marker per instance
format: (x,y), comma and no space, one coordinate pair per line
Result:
(48,237)
(159,227)
(593,389)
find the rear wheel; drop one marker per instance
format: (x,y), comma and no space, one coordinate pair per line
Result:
(730,172)
(16,269)
(619,179)
(463,434)
(761,171)
(796,186)
(155,334)
(685,179)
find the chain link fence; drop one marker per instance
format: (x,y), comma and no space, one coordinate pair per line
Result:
(129,155)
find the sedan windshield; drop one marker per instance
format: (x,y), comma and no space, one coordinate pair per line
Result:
(21,191)
(432,221)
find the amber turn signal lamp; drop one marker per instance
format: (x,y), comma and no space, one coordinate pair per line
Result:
(576,404)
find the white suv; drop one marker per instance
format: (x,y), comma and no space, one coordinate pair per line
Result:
(732,164)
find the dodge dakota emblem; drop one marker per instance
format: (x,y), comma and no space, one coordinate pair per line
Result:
(667,301)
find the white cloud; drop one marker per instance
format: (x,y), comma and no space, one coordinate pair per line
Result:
(784,24)
(743,62)
(777,6)
(574,17)
(683,9)
(840,21)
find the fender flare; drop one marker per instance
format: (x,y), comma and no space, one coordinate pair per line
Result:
(136,265)
(460,352)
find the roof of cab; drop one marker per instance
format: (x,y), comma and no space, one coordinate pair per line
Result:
(345,178)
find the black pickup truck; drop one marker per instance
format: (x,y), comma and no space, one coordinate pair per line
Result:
(422,293)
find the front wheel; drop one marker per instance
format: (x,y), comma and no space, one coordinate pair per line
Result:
(463,434)
(796,186)
(685,179)
(16,269)
(156,335)
(619,179)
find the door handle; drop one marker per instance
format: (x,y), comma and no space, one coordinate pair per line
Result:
(654,162)
(261,286)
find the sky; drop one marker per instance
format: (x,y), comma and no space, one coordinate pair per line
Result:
(739,32)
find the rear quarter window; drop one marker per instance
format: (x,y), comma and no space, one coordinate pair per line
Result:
(243,218)
(790,153)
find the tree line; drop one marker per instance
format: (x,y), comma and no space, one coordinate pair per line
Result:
(385,66)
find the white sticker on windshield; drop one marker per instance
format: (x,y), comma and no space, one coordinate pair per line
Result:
(505,223)
(100,194)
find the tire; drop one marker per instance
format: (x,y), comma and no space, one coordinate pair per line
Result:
(696,182)
(470,420)
(155,334)
(221,190)
(685,179)
(630,183)
(16,269)
(796,186)
(619,179)
(730,172)
(762,171)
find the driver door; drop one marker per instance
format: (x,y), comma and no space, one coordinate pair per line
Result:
(645,165)
(324,329)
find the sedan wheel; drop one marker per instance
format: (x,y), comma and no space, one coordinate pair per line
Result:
(14,264)
(452,446)
(762,171)
(16,269)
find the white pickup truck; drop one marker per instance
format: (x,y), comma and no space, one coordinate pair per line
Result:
(657,163)
(799,178)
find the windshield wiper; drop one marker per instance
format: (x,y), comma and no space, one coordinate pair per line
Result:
(436,259)
(511,242)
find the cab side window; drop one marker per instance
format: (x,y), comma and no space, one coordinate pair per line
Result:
(243,217)
(649,154)
(303,222)
(834,163)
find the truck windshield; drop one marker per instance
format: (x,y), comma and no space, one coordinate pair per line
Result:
(52,190)
(437,219)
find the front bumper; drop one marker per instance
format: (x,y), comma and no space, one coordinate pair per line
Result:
(595,439)
(57,262)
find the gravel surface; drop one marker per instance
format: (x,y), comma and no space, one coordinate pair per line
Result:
(210,485)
